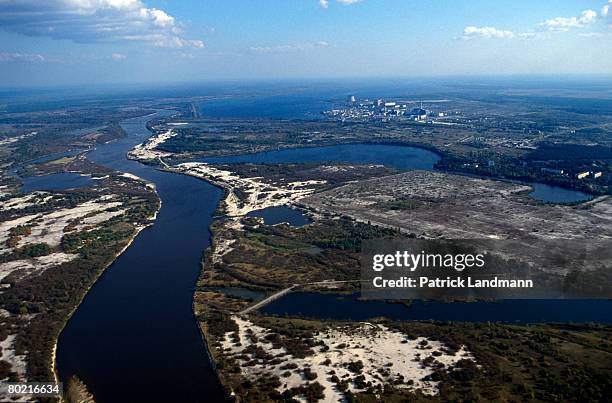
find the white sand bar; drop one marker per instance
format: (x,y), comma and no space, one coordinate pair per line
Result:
(388,356)
(258,194)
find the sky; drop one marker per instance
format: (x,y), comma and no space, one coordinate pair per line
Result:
(58,42)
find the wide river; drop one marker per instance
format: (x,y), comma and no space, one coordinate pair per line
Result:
(134,337)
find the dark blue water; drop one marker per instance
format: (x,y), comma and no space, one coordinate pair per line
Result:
(280,106)
(555,194)
(281,214)
(329,306)
(134,337)
(58,181)
(401,157)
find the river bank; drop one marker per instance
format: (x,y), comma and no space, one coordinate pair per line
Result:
(90,227)
(99,273)
(142,304)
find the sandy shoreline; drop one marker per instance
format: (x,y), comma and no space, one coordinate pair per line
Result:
(257,194)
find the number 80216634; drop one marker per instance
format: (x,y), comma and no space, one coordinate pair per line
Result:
(32,389)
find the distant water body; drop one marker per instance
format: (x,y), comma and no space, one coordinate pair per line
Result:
(308,101)
(349,307)
(281,214)
(556,194)
(396,156)
(401,157)
(268,107)
(57,181)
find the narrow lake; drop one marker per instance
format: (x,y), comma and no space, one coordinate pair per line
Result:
(400,157)
(396,156)
(57,181)
(349,307)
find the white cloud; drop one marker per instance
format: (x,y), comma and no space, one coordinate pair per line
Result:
(606,11)
(325,3)
(89,21)
(486,32)
(591,35)
(275,49)
(118,57)
(6,57)
(185,55)
(557,24)
(175,42)
(566,23)
(288,48)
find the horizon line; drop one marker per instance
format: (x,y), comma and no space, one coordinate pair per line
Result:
(312,80)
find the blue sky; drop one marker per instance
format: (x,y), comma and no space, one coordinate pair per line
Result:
(55,42)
